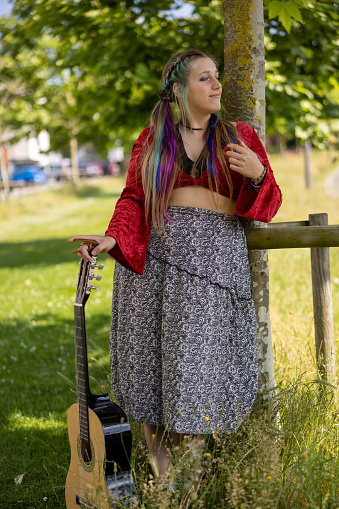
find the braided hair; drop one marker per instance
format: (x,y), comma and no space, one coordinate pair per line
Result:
(161,161)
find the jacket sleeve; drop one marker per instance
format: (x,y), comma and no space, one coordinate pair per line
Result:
(262,205)
(128,225)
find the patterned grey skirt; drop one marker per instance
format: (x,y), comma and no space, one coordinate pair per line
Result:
(183,335)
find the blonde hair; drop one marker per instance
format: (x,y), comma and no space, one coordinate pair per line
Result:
(161,161)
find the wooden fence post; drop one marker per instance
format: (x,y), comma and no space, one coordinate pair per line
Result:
(322,305)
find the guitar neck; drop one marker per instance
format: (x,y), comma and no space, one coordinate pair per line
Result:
(82,370)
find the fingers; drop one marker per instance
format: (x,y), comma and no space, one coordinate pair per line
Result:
(105,245)
(85,238)
(243,160)
(238,147)
(83,253)
(87,242)
(102,244)
(237,160)
(238,151)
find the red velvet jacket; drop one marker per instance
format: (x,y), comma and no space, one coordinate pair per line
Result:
(128,224)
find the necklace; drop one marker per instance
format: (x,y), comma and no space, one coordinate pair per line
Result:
(194,128)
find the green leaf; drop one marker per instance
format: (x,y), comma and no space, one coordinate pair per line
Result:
(307,4)
(274,8)
(285,11)
(293,10)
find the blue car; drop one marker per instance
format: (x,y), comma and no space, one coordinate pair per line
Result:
(29,173)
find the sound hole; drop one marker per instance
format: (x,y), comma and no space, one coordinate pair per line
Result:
(86,453)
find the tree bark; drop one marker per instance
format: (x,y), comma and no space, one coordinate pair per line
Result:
(74,160)
(244,58)
(244,88)
(3,168)
(308,178)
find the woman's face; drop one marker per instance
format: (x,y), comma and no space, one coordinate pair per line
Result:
(204,88)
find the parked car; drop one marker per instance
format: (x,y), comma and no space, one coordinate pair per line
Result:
(90,170)
(29,173)
(109,168)
(54,171)
(114,169)
(95,169)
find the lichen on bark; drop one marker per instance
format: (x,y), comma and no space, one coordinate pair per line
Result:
(244,94)
(244,56)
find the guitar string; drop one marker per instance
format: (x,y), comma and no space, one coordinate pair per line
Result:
(82,396)
(83,412)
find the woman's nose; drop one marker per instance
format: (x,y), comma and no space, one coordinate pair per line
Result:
(217,83)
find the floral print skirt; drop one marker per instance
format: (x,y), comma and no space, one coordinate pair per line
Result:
(183,335)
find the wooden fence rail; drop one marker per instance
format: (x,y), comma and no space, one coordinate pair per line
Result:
(317,235)
(283,236)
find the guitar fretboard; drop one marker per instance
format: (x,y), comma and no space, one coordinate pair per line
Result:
(81,370)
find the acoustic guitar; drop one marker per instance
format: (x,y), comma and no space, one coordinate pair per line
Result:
(99,475)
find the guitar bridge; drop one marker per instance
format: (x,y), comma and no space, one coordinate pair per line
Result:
(84,504)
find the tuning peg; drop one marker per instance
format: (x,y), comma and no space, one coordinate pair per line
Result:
(95,288)
(100,267)
(98,277)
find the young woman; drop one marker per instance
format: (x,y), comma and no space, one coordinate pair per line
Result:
(183,331)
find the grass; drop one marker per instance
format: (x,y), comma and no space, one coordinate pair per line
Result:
(294,465)
(291,288)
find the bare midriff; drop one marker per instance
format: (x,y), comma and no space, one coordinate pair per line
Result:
(200,197)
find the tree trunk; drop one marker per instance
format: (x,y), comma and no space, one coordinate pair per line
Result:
(74,161)
(244,86)
(4,168)
(244,58)
(308,178)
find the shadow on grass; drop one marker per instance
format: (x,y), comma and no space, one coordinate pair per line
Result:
(38,253)
(43,456)
(40,379)
(37,389)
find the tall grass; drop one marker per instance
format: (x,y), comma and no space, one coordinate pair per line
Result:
(290,269)
(291,465)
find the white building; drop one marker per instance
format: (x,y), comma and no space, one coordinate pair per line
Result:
(33,149)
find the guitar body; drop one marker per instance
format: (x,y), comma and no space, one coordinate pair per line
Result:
(85,482)
(99,475)
(106,479)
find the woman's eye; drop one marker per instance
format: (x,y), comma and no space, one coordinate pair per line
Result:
(204,78)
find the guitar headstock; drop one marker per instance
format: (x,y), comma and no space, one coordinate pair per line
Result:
(85,278)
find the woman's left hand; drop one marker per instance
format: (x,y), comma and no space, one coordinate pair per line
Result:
(244,160)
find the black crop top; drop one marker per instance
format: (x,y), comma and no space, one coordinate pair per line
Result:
(187,165)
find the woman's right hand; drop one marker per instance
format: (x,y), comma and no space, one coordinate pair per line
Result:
(104,244)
